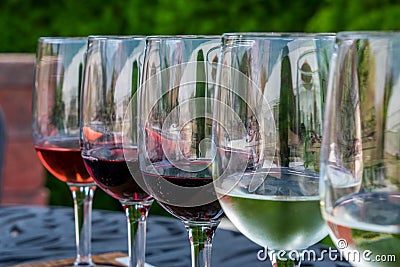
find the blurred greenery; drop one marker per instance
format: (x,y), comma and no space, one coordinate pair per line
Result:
(22,22)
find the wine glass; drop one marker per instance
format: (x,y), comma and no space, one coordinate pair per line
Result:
(360,194)
(175,133)
(56,92)
(111,79)
(266,132)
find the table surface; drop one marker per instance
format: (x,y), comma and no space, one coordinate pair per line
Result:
(32,234)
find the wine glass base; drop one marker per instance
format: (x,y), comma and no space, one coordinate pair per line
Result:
(109,265)
(92,265)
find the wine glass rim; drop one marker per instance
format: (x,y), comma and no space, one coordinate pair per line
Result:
(277,35)
(116,37)
(182,37)
(367,34)
(62,39)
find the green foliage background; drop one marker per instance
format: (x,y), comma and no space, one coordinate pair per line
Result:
(22,22)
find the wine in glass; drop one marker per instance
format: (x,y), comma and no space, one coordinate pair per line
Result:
(111,79)
(267,130)
(175,133)
(56,93)
(360,163)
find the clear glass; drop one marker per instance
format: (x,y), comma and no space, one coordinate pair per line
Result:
(55,124)
(360,164)
(267,134)
(111,78)
(175,133)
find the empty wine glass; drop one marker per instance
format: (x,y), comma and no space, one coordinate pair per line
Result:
(111,78)
(360,163)
(55,124)
(175,133)
(267,130)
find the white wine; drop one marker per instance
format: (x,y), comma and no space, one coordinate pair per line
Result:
(283,213)
(370,225)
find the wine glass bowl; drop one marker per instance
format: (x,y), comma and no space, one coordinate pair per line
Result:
(271,91)
(359,162)
(58,73)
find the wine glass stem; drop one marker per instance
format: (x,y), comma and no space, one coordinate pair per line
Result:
(83,197)
(201,236)
(136,214)
(285,260)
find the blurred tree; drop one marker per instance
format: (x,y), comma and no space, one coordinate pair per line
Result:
(340,15)
(22,22)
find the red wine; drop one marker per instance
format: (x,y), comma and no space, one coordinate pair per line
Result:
(62,158)
(187,175)
(108,167)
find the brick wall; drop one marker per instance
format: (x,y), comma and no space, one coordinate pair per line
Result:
(23,175)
